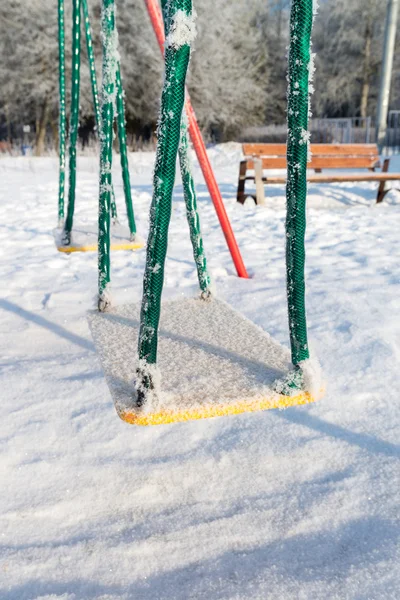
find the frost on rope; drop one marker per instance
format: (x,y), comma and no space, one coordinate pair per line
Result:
(305,136)
(192,213)
(111,57)
(183,30)
(104,302)
(151,373)
(312,376)
(311,71)
(306,378)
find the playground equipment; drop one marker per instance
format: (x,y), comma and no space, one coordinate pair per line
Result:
(208,360)
(85,239)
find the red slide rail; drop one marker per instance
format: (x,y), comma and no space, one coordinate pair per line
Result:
(155,15)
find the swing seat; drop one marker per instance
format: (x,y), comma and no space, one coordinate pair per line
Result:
(84,239)
(212,361)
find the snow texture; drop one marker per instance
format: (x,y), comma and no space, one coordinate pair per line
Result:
(300,504)
(207,354)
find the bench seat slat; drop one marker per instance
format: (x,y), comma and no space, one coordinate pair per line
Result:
(279,150)
(322,162)
(339,178)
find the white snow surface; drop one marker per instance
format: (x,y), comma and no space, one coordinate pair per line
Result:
(295,504)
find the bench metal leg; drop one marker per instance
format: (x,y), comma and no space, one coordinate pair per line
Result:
(260,196)
(381,190)
(241,195)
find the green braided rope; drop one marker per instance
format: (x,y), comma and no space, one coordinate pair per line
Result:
(92,64)
(189,190)
(74,118)
(62,117)
(172,102)
(93,81)
(124,153)
(192,211)
(108,91)
(301,19)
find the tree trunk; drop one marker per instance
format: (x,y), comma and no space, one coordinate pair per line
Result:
(54,131)
(41,128)
(8,121)
(366,74)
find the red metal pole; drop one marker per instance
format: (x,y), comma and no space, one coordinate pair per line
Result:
(155,14)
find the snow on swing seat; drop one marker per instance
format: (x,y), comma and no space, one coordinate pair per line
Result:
(84,239)
(212,362)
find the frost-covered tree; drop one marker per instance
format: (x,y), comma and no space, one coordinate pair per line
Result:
(238,71)
(348,42)
(141,63)
(228,77)
(29,66)
(275,26)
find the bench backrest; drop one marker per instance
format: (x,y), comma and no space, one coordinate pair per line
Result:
(324,156)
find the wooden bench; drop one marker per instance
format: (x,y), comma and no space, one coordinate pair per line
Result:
(259,157)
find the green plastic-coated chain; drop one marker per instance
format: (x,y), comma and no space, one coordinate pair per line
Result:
(62,116)
(108,92)
(191,210)
(95,89)
(124,153)
(74,118)
(92,64)
(177,54)
(189,189)
(301,19)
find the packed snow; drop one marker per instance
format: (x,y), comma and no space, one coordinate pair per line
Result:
(294,504)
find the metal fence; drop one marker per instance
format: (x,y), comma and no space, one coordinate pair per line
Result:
(355,130)
(392,145)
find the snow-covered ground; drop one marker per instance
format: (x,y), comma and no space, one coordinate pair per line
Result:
(294,504)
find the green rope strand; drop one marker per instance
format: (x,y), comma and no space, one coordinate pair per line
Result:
(92,64)
(62,116)
(124,154)
(192,211)
(108,91)
(301,19)
(177,56)
(189,190)
(74,119)
(95,89)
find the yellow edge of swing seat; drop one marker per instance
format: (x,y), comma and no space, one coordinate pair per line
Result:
(93,247)
(84,239)
(207,412)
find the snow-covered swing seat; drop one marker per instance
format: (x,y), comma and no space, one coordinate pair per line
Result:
(199,358)
(84,238)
